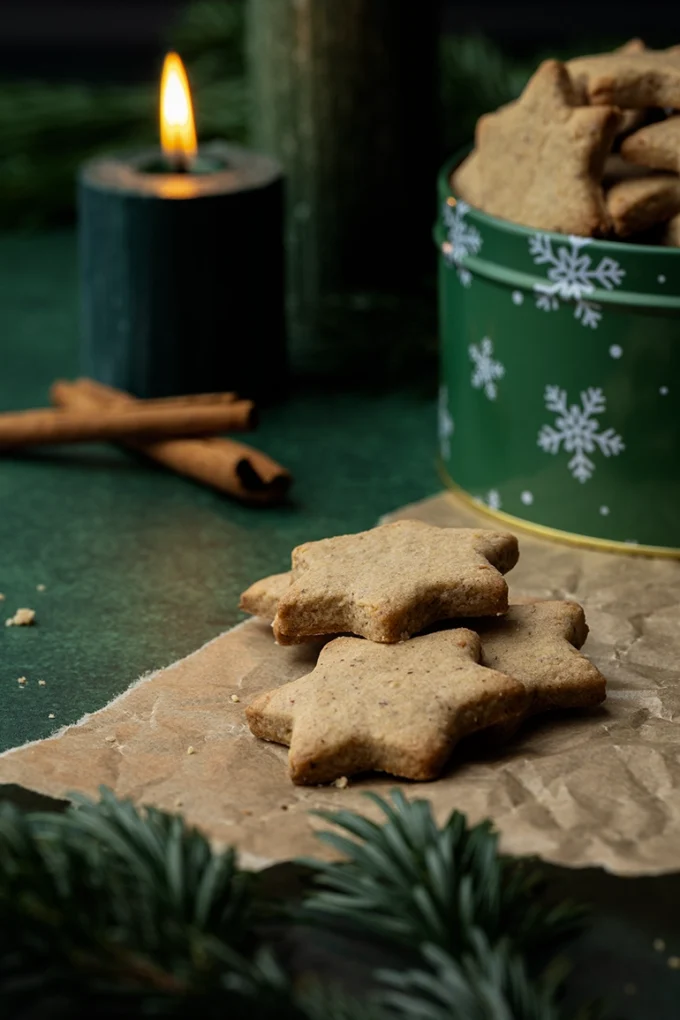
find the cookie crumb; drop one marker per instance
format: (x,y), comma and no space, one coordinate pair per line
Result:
(22,618)
(674,962)
(51,715)
(235,698)
(341,783)
(40,587)
(629,989)
(21,680)
(42,683)
(658,945)
(191,750)
(110,739)
(178,803)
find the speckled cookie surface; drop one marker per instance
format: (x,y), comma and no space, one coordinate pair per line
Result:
(630,119)
(539,161)
(656,145)
(538,644)
(629,79)
(467,181)
(394,708)
(638,204)
(393,581)
(262,598)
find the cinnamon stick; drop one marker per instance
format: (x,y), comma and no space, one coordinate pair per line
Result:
(224,464)
(190,399)
(30,428)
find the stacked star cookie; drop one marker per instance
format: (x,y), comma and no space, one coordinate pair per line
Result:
(591,147)
(392,701)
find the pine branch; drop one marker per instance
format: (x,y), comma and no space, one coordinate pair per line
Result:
(487,984)
(409,882)
(108,910)
(210,36)
(131,900)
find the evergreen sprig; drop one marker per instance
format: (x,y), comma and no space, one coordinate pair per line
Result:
(108,910)
(121,901)
(409,880)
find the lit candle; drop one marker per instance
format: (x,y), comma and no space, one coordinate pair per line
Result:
(182,262)
(178,131)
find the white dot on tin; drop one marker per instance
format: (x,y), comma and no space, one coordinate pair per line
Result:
(615,351)
(517,297)
(663,390)
(604,510)
(661,278)
(527,498)
(632,541)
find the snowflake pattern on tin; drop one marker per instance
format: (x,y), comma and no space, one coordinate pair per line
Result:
(577,430)
(486,369)
(572,276)
(445,422)
(493,499)
(463,239)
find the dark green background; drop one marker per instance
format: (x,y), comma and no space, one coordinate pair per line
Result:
(141,567)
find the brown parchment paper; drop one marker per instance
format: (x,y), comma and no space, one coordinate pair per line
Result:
(588,789)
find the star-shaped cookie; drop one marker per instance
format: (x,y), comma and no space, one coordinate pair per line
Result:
(262,598)
(539,161)
(638,204)
(395,708)
(656,146)
(629,78)
(537,643)
(393,581)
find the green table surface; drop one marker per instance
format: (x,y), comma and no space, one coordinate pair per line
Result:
(141,566)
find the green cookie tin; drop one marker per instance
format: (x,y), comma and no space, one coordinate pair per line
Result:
(560,377)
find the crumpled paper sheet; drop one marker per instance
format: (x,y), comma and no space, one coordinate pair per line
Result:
(598,788)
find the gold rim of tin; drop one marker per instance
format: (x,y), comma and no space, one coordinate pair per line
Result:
(543,531)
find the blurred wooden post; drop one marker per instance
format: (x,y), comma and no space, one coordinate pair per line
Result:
(343,95)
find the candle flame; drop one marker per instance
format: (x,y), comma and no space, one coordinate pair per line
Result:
(178,133)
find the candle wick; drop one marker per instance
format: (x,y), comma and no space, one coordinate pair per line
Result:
(178,163)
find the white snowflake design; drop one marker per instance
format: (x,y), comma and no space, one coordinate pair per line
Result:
(573,277)
(486,369)
(463,239)
(493,499)
(446,425)
(578,431)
